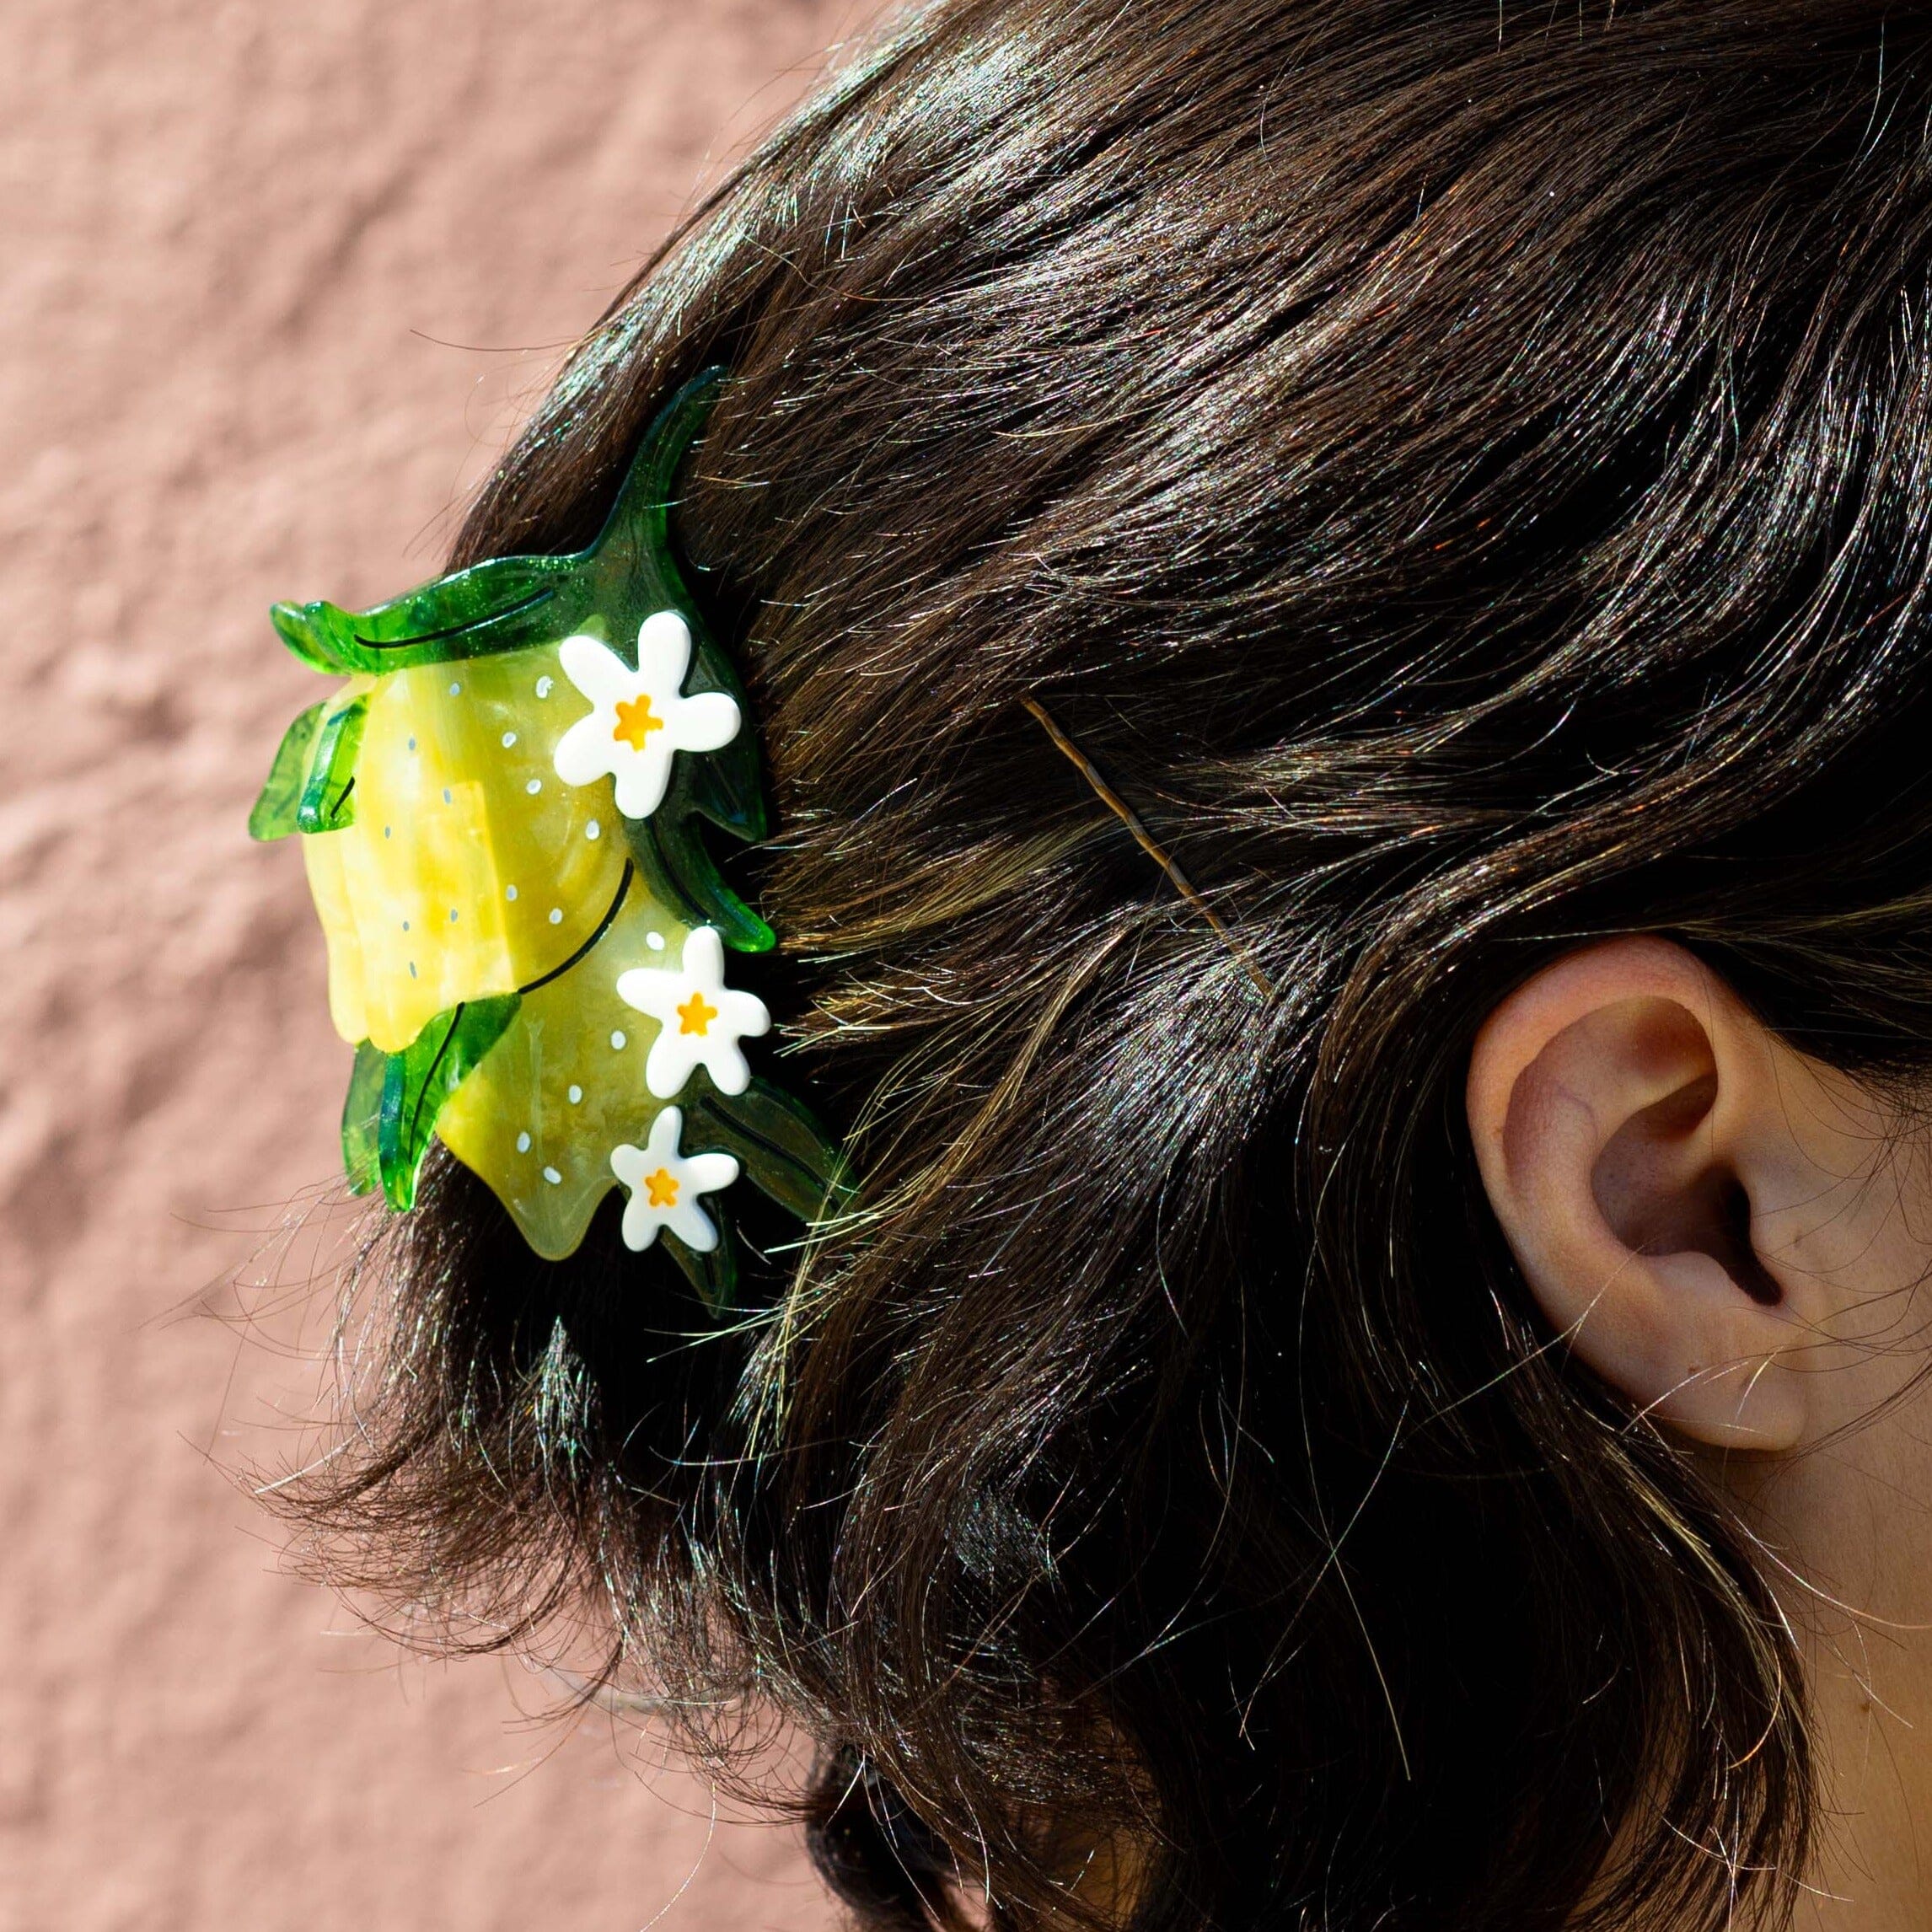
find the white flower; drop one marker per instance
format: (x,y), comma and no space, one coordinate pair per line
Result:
(699,1019)
(665,1185)
(638,717)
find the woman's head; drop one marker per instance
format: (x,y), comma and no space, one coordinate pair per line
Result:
(1460,475)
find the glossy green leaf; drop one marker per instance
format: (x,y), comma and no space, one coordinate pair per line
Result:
(422,1076)
(630,567)
(725,787)
(328,798)
(274,814)
(362,1119)
(715,1275)
(671,855)
(505,604)
(783,1150)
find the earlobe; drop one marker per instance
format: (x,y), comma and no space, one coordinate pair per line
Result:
(1623,1107)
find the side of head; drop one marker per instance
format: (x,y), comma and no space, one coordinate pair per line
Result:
(1465,489)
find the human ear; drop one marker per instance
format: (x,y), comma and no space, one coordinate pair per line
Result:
(1630,1126)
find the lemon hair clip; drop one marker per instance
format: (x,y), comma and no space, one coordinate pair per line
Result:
(527,936)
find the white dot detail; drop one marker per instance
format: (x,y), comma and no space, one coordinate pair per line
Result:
(553,1177)
(509,892)
(456,690)
(534,786)
(655,940)
(576,1095)
(556,915)
(593,830)
(509,739)
(523,1143)
(544,686)
(617,1041)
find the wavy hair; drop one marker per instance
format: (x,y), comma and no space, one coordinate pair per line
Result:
(1461,473)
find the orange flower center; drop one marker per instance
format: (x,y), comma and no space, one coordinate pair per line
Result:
(695,1015)
(636,722)
(663,1189)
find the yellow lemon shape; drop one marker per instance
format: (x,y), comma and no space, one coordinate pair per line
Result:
(538,1117)
(470,869)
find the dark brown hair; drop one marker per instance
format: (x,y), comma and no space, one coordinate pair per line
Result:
(1460,471)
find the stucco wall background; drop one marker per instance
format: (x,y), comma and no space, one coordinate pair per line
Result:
(274,280)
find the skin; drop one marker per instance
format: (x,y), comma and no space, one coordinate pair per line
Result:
(1738,1238)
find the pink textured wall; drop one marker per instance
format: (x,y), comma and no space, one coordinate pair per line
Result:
(275,279)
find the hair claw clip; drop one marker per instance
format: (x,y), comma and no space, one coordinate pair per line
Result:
(500,817)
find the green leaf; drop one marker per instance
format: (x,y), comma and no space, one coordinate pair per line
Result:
(274,814)
(724,786)
(467,612)
(419,1079)
(503,604)
(328,801)
(783,1150)
(714,1276)
(671,854)
(630,564)
(362,1117)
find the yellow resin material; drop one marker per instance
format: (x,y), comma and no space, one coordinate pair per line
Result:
(470,868)
(538,1117)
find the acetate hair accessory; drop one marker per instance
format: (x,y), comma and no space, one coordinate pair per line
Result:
(527,935)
